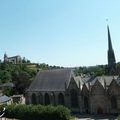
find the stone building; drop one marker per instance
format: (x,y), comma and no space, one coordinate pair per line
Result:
(13,59)
(88,94)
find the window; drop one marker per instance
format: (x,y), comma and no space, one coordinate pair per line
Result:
(53,98)
(61,99)
(86,104)
(34,99)
(40,98)
(74,98)
(47,99)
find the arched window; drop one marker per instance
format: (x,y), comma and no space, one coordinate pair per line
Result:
(27,99)
(40,98)
(61,99)
(113,102)
(47,99)
(74,98)
(53,98)
(34,99)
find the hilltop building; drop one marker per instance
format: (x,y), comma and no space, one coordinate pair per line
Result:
(13,59)
(88,94)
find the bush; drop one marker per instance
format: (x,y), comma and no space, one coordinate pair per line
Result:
(118,117)
(37,112)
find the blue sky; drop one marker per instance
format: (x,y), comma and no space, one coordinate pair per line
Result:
(59,32)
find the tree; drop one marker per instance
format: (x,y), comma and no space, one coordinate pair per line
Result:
(8,91)
(21,81)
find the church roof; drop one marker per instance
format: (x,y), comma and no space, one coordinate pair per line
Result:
(103,80)
(51,80)
(77,80)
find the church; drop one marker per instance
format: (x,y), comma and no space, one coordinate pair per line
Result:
(85,95)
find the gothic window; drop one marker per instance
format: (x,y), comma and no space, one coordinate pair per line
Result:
(61,99)
(34,99)
(74,98)
(53,98)
(47,99)
(40,98)
(113,102)
(86,104)
(27,101)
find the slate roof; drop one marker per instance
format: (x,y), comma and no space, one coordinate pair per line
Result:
(103,80)
(77,80)
(4,99)
(58,79)
(90,80)
(51,80)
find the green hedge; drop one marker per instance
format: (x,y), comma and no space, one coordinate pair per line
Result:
(118,117)
(37,112)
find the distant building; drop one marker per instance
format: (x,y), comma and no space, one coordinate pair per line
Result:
(13,59)
(18,99)
(83,94)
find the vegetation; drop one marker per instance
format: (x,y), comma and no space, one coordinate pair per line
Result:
(20,74)
(93,70)
(72,118)
(39,112)
(97,70)
(118,117)
(23,74)
(8,91)
(44,66)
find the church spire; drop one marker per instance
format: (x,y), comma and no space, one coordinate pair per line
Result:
(111,56)
(109,39)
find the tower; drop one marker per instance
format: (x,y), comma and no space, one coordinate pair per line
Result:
(5,58)
(111,56)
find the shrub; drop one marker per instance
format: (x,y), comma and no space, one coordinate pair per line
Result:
(118,117)
(37,112)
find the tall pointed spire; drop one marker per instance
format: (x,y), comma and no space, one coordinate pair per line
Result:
(109,39)
(111,56)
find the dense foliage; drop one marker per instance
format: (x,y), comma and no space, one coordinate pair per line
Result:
(37,112)
(20,74)
(97,70)
(44,66)
(93,70)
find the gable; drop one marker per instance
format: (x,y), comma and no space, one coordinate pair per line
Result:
(85,90)
(114,88)
(97,89)
(72,84)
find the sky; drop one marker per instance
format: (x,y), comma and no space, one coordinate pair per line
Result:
(67,33)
